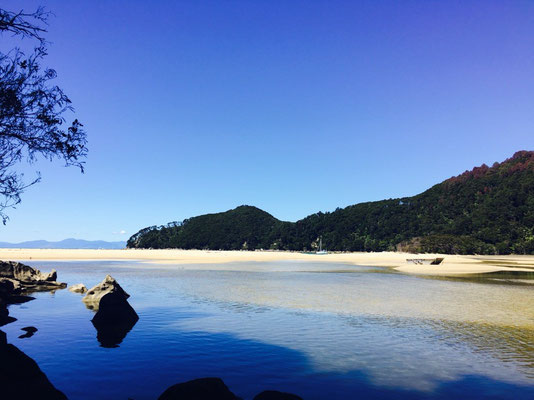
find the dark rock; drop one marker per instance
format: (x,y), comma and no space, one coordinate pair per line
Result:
(30,331)
(199,389)
(275,395)
(9,287)
(114,319)
(114,308)
(4,314)
(20,376)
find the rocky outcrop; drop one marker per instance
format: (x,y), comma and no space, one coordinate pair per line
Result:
(215,389)
(199,389)
(9,289)
(4,314)
(30,279)
(79,288)
(21,377)
(275,395)
(17,280)
(115,317)
(107,286)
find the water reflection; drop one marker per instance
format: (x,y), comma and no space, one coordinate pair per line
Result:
(111,335)
(335,335)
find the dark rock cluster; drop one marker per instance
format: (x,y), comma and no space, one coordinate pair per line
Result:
(215,389)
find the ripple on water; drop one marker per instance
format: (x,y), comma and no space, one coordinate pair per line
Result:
(287,329)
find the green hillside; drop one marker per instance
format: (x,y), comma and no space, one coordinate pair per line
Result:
(489,210)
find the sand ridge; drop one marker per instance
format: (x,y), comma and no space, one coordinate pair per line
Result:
(452,265)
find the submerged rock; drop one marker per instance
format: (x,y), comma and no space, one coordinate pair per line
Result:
(21,377)
(30,331)
(199,389)
(79,288)
(275,395)
(107,286)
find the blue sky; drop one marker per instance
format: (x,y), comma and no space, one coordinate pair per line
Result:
(292,106)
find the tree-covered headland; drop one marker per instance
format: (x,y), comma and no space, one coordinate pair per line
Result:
(488,210)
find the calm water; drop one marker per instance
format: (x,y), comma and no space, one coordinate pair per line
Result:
(335,332)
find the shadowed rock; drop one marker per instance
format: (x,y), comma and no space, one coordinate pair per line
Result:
(275,395)
(114,319)
(20,376)
(9,294)
(79,288)
(30,331)
(96,293)
(199,389)
(4,314)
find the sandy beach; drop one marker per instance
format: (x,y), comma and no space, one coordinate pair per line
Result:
(244,260)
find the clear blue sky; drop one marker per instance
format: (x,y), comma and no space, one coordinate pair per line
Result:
(292,106)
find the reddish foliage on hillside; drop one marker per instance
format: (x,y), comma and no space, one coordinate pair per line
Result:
(520,161)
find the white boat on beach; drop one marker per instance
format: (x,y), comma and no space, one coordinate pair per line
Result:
(321,251)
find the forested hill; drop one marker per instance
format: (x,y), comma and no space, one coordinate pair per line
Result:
(486,210)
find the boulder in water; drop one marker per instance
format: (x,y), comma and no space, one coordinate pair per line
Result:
(199,389)
(107,286)
(114,319)
(30,331)
(79,288)
(275,395)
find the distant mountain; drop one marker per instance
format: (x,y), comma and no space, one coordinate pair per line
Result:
(65,244)
(488,210)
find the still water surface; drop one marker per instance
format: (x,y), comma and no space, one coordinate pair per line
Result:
(335,332)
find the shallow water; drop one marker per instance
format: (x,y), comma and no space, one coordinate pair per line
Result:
(335,332)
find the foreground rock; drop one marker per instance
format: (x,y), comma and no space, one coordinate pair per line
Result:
(275,395)
(215,389)
(199,389)
(21,377)
(79,288)
(115,317)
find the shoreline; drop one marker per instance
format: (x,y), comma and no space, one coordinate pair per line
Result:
(453,265)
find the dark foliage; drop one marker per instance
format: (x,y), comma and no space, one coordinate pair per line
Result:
(486,211)
(32,110)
